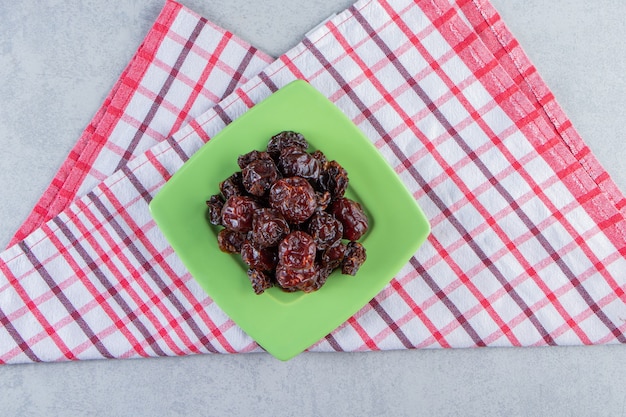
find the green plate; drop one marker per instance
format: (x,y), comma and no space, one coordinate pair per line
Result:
(285,324)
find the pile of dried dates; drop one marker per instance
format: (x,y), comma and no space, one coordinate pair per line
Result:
(286,215)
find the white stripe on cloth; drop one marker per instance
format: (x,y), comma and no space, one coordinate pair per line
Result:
(526,249)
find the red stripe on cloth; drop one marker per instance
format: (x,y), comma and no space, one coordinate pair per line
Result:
(467,237)
(128,153)
(81,277)
(292,67)
(40,267)
(184,113)
(456,32)
(363,334)
(76,166)
(158,166)
(501,42)
(410,123)
(33,309)
(475,114)
(22,346)
(140,236)
(436,335)
(245,98)
(198,129)
(147,266)
(125,286)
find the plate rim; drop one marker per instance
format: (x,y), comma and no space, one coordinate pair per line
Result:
(155,207)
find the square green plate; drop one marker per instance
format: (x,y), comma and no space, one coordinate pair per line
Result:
(285,324)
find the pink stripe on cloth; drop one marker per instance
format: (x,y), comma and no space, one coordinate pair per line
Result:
(527,243)
(501,42)
(183,67)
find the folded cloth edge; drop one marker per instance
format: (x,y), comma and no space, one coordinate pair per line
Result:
(557,127)
(88,144)
(542,95)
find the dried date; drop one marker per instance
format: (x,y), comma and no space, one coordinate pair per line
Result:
(230,241)
(232,186)
(215,205)
(284,140)
(258,176)
(297,250)
(321,158)
(262,259)
(238,213)
(285,214)
(334,179)
(260,281)
(296,162)
(296,278)
(244,160)
(351,215)
(323,200)
(268,227)
(353,258)
(333,256)
(294,198)
(325,229)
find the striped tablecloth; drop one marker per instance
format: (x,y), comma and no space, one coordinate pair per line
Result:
(527,244)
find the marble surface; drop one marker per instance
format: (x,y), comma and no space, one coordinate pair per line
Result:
(58,60)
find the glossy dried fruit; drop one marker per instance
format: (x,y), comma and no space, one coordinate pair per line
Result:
(244,160)
(295,278)
(323,200)
(284,140)
(260,281)
(296,162)
(334,179)
(313,284)
(232,186)
(214,213)
(268,228)
(256,258)
(297,250)
(333,256)
(230,241)
(352,217)
(258,176)
(319,155)
(353,258)
(294,198)
(285,214)
(325,229)
(238,212)
(322,275)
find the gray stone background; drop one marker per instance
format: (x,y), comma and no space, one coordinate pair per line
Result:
(58,60)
